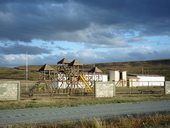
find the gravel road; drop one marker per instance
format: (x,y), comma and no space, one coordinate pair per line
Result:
(40,115)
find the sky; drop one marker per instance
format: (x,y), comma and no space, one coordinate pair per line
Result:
(90,31)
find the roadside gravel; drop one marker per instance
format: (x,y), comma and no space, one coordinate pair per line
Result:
(53,114)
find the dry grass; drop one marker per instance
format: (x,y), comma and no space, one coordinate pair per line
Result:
(159,67)
(133,121)
(75,101)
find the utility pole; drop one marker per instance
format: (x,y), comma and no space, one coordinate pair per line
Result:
(142,70)
(26,71)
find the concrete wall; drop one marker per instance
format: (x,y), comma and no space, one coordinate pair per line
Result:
(105,89)
(9,90)
(167,87)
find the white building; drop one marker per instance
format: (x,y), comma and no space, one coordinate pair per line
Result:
(135,80)
(145,80)
(119,77)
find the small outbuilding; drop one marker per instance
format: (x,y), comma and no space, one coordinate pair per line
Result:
(119,77)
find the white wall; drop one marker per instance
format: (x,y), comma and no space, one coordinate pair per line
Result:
(133,82)
(124,78)
(151,80)
(124,75)
(96,77)
(91,78)
(105,78)
(114,75)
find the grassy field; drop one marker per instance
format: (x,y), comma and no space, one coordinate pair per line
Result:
(156,67)
(160,67)
(56,101)
(153,120)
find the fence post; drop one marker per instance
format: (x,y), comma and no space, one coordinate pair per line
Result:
(167,87)
(18,91)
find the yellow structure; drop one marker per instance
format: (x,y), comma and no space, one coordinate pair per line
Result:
(85,82)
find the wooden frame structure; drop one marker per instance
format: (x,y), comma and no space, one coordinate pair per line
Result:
(66,76)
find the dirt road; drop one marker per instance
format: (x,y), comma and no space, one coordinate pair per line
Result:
(38,115)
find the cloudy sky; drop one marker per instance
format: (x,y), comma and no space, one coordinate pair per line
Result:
(90,31)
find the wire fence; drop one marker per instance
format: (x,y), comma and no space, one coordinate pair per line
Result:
(122,88)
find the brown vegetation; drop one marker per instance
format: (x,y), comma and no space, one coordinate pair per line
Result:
(75,101)
(158,67)
(155,120)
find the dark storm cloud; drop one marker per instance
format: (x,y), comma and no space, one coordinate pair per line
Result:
(143,8)
(40,20)
(148,16)
(56,19)
(22,49)
(31,1)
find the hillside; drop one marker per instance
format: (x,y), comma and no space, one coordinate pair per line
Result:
(157,67)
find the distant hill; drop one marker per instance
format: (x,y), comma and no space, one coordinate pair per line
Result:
(155,67)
